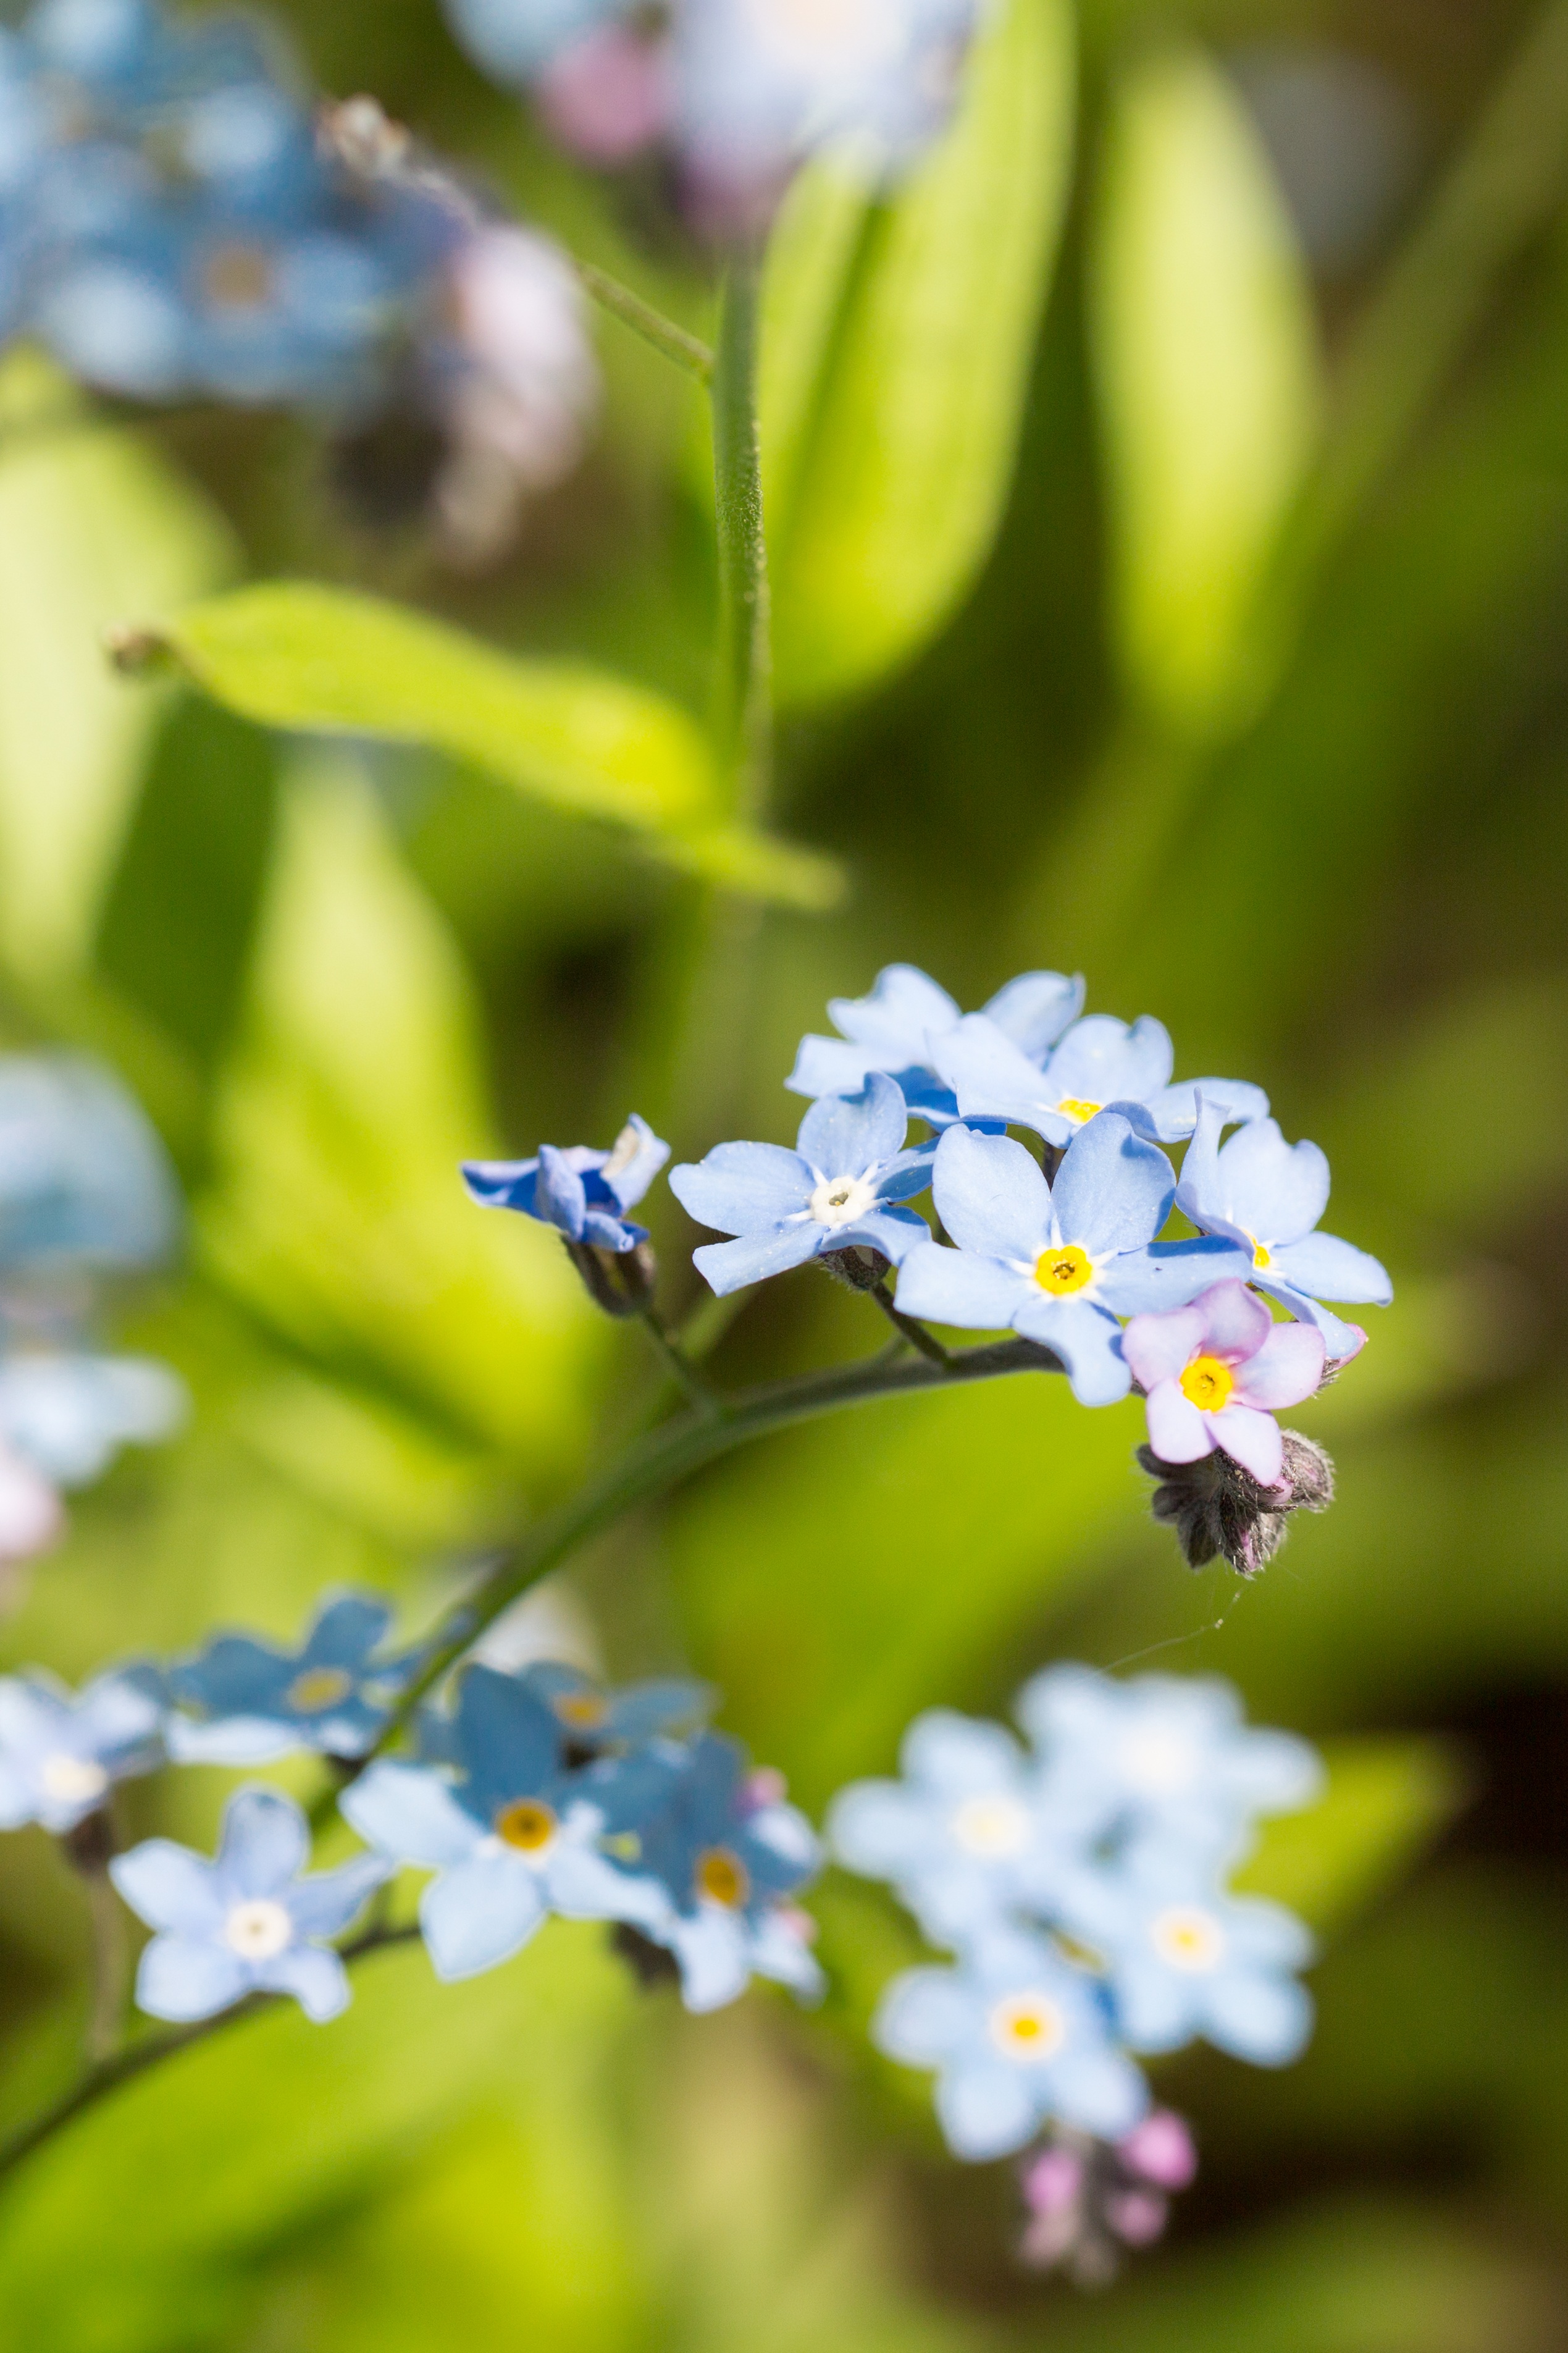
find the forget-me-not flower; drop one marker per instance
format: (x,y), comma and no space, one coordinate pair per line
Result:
(518,1835)
(254,1701)
(1269,1195)
(69,1411)
(592,1717)
(61,1751)
(962,1836)
(726,1853)
(891,1029)
(246,1921)
(584,1193)
(1057,1263)
(84,1181)
(1183,1958)
(1216,1372)
(1019,2037)
(841,1186)
(514,40)
(1100,1064)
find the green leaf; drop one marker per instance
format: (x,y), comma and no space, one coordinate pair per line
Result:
(899,339)
(324,661)
(1205,344)
(1387,1800)
(92,523)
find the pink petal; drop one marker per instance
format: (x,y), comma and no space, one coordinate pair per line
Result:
(1160,1346)
(1287,1368)
(1355,1349)
(1176,1431)
(1251,1439)
(607,97)
(1235,1321)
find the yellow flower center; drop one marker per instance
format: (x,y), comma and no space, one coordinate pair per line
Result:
(1187,1939)
(1063,1269)
(1207,1383)
(1260,1253)
(527,1824)
(318,1688)
(582,1709)
(1026,2027)
(1075,1107)
(723,1877)
(238,277)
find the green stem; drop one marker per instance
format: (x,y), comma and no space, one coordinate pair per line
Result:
(676,1364)
(928,1343)
(743,716)
(110,1968)
(673,341)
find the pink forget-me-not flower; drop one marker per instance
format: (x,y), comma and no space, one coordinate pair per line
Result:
(1217,1371)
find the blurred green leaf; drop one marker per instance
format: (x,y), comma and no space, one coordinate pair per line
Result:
(898,343)
(321,660)
(1387,1799)
(1204,342)
(93,523)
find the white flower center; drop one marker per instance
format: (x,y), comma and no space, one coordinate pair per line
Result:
(73,1781)
(1158,1762)
(990,1826)
(842,1200)
(1186,1938)
(259,1928)
(1027,2028)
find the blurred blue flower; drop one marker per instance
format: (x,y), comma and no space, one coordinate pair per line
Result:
(1267,1196)
(962,1837)
(1057,1263)
(60,1751)
(1183,1958)
(1019,2037)
(517,1836)
(1100,1064)
(594,1718)
(67,1413)
(839,1188)
(584,1193)
(254,1701)
(1161,1758)
(514,40)
(724,1854)
(890,1029)
(246,1922)
(84,1181)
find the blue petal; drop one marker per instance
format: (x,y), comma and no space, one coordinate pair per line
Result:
(924,2016)
(612,1233)
(502,1183)
(1338,1337)
(907,1174)
(1086,1338)
(634,1161)
(878,1829)
(848,1135)
(1112,1191)
(325,1902)
(742,1188)
(988,2108)
(233,1740)
(1172,1112)
(991,1195)
(1100,2090)
(508,1739)
(894,1232)
(993,1080)
(1265,2020)
(1169,1274)
(1103,1060)
(710,1948)
(892,1022)
(560,1197)
(583,1886)
(949,1286)
(409,1814)
(346,1633)
(1326,1268)
(1273,1190)
(478,1913)
(828,1066)
(181,1978)
(729,1266)
(265,1841)
(1034,1009)
(958,1758)
(316,1979)
(777,1952)
(235,1675)
(169,1887)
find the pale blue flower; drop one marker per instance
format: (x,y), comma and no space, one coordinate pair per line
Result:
(514,40)
(67,1411)
(1161,1758)
(254,1701)
(1183,1958)
(1267,1196)
(84,1180)
(246,1922)
(1057,1263)
(1019,2037)
(839,1188)
(60,1751)
(584,1193)
(962,1837)
(518,1836)
(891,1031)
(1100,1064)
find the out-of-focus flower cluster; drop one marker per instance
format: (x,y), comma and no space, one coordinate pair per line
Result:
(86,1198)
(176,223)
(1081,1883)
(738,90)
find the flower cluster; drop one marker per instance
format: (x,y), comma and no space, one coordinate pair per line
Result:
(1081,1883)
(739,90)
(86,1196)
(175,222)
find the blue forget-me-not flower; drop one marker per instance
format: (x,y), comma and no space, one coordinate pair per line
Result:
(84,1181)
(1100,1064)
(583,1193)
(253,1702)
(1266,1195)
(1019,2036)
(1059,1262)
(890,1029)
(69,1412)
(840,1186)
(246,1921)
(61,1751)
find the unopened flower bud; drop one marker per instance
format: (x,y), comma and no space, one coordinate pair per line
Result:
(620,1282)
(858,1268)
(1219,1511)
(652,1965)
(1089,2198)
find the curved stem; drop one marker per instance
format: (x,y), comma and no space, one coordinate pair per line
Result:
(742,717)
(666,337)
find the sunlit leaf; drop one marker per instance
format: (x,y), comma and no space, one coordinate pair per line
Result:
(899,338)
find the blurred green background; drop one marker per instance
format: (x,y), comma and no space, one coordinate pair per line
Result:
(1170,496)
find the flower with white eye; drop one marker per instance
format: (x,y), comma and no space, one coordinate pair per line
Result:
(246,1922)
(60,1751)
